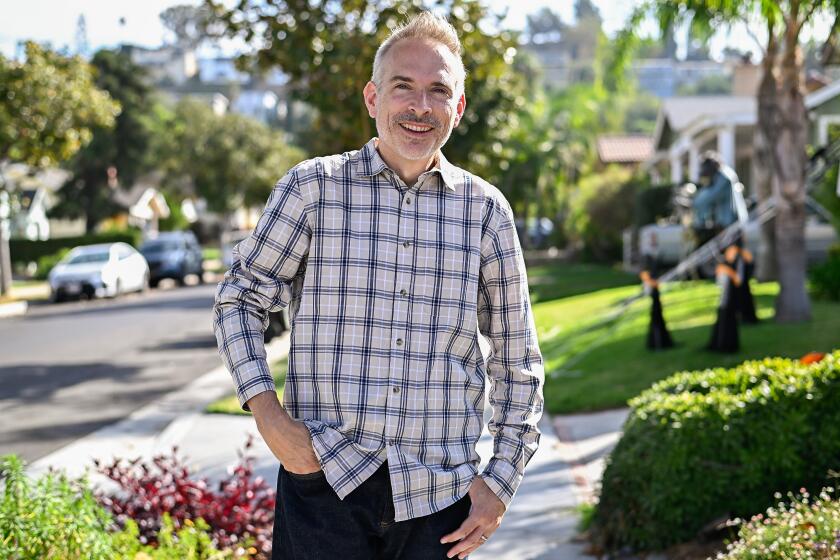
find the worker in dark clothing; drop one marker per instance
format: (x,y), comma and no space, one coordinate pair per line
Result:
(720,200)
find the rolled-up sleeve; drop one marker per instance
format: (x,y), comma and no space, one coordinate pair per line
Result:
(515,365)
(258,282)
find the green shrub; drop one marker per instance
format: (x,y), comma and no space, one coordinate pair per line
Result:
(50,518)
(24,251)
(825,277)
(600,209)
(709,445)
(800,529)
(191,542)
(54,518)
(48,262)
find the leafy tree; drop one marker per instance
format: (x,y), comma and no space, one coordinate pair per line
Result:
(49,107)
(124,148)
(187,23)
(781,132)
(327,48)
(231,160)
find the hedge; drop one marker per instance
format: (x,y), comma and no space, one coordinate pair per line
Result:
(24,251)
(705,446)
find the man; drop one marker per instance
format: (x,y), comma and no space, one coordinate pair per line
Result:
(720,200)
(391,260)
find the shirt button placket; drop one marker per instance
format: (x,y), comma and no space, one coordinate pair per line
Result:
(402,282)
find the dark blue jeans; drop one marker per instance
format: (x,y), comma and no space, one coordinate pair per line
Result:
(311,523)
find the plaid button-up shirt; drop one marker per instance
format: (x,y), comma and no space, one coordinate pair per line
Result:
(388,288)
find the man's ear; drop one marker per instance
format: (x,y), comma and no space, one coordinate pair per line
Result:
(459,109)
(369,93)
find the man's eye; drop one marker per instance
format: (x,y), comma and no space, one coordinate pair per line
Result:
(401,86)
(442,91)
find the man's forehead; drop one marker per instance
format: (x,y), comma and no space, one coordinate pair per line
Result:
(421,59)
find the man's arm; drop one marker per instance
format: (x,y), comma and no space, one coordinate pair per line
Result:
(515,366)
(259,281)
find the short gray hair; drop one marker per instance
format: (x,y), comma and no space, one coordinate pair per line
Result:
(424,25)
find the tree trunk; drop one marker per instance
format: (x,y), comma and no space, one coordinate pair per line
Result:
(792,304)
(763,142)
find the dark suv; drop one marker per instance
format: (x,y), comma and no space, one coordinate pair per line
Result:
(173,254)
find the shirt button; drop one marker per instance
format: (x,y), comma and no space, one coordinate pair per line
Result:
(408,200)
(403,293)
(399,342)
(396,389)
(406,243)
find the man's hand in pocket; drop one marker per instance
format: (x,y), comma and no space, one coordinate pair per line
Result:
(287,438)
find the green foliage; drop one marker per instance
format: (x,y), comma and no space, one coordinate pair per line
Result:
(652,204)
(176,221)
(49,106)
(190,542)
(825,277)
(55,518)
(601,208)
(48,262)
(126,146)
(327,49)
(50,518)
(25,251)
(703,445)
(804,528)
(230,160)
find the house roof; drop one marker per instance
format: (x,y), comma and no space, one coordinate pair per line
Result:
(682,111)
(624,149)
(822,95)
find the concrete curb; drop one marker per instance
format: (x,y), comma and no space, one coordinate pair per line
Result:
(13,309)
(146,429)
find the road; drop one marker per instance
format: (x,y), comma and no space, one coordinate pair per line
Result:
(68,369)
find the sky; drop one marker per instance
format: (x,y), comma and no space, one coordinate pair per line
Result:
(55,21)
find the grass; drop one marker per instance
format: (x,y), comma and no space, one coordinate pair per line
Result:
(593,364)
(230,404)
(27,290)
(211,253)
(561,280)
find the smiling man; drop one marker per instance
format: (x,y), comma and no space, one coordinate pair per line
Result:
(392,261)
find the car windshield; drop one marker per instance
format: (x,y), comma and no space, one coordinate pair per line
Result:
(89,258)
(159,246)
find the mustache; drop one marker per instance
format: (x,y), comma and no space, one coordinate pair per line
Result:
(410,117)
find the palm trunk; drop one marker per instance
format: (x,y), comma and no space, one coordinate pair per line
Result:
(763,142)
(792,304)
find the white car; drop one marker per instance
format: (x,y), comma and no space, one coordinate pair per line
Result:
(103,270)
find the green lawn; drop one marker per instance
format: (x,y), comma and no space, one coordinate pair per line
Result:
(593,364)
(230,404)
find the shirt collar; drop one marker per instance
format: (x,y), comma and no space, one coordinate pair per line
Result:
(368,163)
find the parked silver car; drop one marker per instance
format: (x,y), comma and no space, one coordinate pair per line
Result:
(103,270)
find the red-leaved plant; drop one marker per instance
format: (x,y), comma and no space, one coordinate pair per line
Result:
(240,510)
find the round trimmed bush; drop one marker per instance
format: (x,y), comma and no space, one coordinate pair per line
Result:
(702,447)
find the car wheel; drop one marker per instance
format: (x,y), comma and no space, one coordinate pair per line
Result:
(57,296)
(154,283)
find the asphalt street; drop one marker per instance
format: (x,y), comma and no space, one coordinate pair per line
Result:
(68,369)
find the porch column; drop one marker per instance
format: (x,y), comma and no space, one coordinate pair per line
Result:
(693,163)
(676,168)
(726,145)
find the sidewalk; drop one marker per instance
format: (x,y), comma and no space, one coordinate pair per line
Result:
(540,523)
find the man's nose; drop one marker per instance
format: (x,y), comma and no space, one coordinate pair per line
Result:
(420,103)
